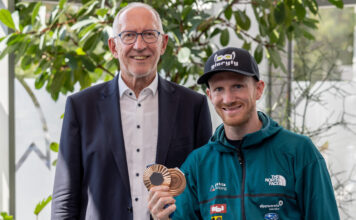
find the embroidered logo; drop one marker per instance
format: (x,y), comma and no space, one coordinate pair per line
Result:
(276,180)
(218,186)
(218,208)
(272,207)
(271,216)
(216,217)
(225,59)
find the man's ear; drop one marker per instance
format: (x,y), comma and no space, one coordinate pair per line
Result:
(112,47)
(260,85)
(208,93)
(164,43)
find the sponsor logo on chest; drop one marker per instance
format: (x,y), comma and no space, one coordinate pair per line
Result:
(276,180)
(218,208)
(272,207)
(271,216)
(218,186)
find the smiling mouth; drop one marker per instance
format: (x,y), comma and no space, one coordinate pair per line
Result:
(231,109)
(140,57)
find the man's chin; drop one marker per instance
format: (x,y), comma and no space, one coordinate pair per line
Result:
(141,74)
(234,122)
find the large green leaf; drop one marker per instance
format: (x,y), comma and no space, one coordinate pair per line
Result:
(26,62)
(280,13)
(40,81)
(35,12)
(228,13)
(84,80)
(6,18)
(246,45)
(337,3)
(242,20)
(91,42)
(300,10)
(62,3)
(102,11)
(224,37)
(88,64)
(258,54)
(312,5)
(83,23)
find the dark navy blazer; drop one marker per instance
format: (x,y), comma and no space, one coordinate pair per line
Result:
(91,180)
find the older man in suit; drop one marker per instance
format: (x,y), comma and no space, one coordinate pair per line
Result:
(113,130)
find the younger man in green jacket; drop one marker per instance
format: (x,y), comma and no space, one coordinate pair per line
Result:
(251,168)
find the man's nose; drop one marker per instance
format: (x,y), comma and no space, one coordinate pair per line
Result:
(140,44)
(228,97)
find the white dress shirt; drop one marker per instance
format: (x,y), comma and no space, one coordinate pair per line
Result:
(139,118)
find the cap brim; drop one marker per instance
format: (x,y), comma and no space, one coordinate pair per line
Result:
(203,79)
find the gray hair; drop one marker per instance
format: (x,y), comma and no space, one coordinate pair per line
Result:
(136,5)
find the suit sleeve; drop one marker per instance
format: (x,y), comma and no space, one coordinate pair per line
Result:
(203,127)
(315,192)
(67,182)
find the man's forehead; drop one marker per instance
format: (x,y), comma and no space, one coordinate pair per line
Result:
(228,76)
(128,17)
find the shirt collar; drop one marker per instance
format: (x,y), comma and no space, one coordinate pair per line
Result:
(123,87)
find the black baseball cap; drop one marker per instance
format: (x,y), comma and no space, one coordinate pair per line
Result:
(230,59)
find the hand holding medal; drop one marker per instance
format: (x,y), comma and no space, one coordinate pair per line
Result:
(161,204)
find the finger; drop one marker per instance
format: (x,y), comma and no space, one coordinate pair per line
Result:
(164,214)
(163,208)
(159,200)
(155,189)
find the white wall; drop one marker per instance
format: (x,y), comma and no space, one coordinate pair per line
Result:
(341,152)
(34,181)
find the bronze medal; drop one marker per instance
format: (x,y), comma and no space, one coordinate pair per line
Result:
(156,175)
(178,181)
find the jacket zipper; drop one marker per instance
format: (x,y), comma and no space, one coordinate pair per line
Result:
(242,163)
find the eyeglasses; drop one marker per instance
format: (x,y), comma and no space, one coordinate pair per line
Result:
(130,37)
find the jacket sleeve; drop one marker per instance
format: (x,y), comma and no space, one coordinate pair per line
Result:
(67,182)
(187,203)
(203,126)
(315,194)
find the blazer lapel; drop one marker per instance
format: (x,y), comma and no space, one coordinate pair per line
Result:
(167,109)
(110,111)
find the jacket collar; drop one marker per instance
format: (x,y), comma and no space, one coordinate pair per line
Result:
(269,128)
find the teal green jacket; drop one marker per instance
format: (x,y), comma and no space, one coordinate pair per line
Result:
(275,174)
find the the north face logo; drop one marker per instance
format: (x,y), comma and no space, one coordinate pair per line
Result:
(276,180)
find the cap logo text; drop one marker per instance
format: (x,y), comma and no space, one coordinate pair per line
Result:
(225,59)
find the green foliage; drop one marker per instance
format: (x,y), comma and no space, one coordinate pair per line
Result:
(332,46)
(66,44)
(41,205)
(5,216)
(54,147)
(6,19)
